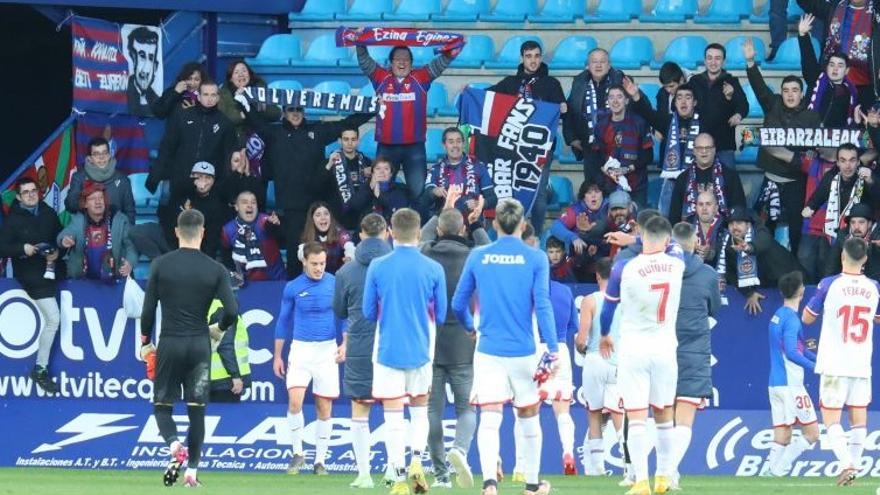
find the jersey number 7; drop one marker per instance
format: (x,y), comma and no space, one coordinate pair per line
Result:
(663,289)
(855,322)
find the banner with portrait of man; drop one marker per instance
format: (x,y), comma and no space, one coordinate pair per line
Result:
(116,68)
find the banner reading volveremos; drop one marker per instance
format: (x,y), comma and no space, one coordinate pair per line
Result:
(513,136)
(314,99)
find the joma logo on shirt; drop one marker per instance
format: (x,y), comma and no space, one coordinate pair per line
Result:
(504,259)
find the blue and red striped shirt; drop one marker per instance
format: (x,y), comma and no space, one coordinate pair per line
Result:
(406,101)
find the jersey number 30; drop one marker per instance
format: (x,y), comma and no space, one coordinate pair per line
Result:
(855,322)
(663,289)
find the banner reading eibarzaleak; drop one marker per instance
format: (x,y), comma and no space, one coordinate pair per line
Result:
(799,137)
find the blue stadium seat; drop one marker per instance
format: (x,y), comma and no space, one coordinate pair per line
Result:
(332,86)
(286,84)
(788,56)
(755,110)
(615,11)
(650,90)
(414,10)
(434,144)
(726,12)
(571,52)
(462,11)
(794,13)
(278,49)
(366,10)
(438,100)
(508,57)
(563,191)
(657,145)
(368,143)
(270,195)
(632,52)
(671,11)
(367,90)
(654,185)
(735,60)
(477,50)
(144,200)
(686,51)
(422,55)
(561,11)
(379,53)
(511,11)
(323,52)
(318,10)
(749,154)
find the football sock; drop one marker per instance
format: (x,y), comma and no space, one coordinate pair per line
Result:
(837,440)
(488,443)
(682,435)
(360,441)
(792,451)
(418,416)
(196,435)
(565,425)
(637,443)
(322,438)
(665,448)
(296,422)
(395,439)
(776,450)
(519,466)
(165,422)
(532,438)
(597,457)
(857,444)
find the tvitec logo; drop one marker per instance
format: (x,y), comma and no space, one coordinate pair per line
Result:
(20,324)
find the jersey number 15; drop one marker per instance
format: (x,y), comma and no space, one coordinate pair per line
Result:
(855,322)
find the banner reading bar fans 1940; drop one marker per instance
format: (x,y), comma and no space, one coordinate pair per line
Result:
(513,136)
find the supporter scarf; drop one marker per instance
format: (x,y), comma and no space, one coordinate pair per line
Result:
(746,264)
(255,148)
(834,217)
(693,190)
(107,256)
(707,237)
(591,107)
(448,43)
(768,202)
(246,247)
(844,15)
(672,162)
(823,84)
(345,181)
(470,176)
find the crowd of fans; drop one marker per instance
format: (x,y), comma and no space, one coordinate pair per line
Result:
(218,155)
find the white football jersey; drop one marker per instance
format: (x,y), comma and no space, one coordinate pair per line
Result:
(648,288)
(848,305)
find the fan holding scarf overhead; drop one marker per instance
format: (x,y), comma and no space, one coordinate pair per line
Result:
(401,128)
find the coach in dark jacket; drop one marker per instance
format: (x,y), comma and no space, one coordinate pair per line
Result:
(444,241)
(859,223)
(295,159)
(195,134)
(28,237)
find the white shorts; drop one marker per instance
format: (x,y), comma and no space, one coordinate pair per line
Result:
(600,384)
(647,380)
(396,383)
(838,391)
(790,405)
(314,362)
(499,379)
(561,385)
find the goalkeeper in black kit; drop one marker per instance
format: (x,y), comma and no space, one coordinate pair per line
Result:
(185,281)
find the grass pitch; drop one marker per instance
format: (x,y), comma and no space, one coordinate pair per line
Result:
(20,481)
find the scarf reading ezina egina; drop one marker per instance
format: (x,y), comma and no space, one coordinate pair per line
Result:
(834,216)
(450,43)
(673,164)
(746,264)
